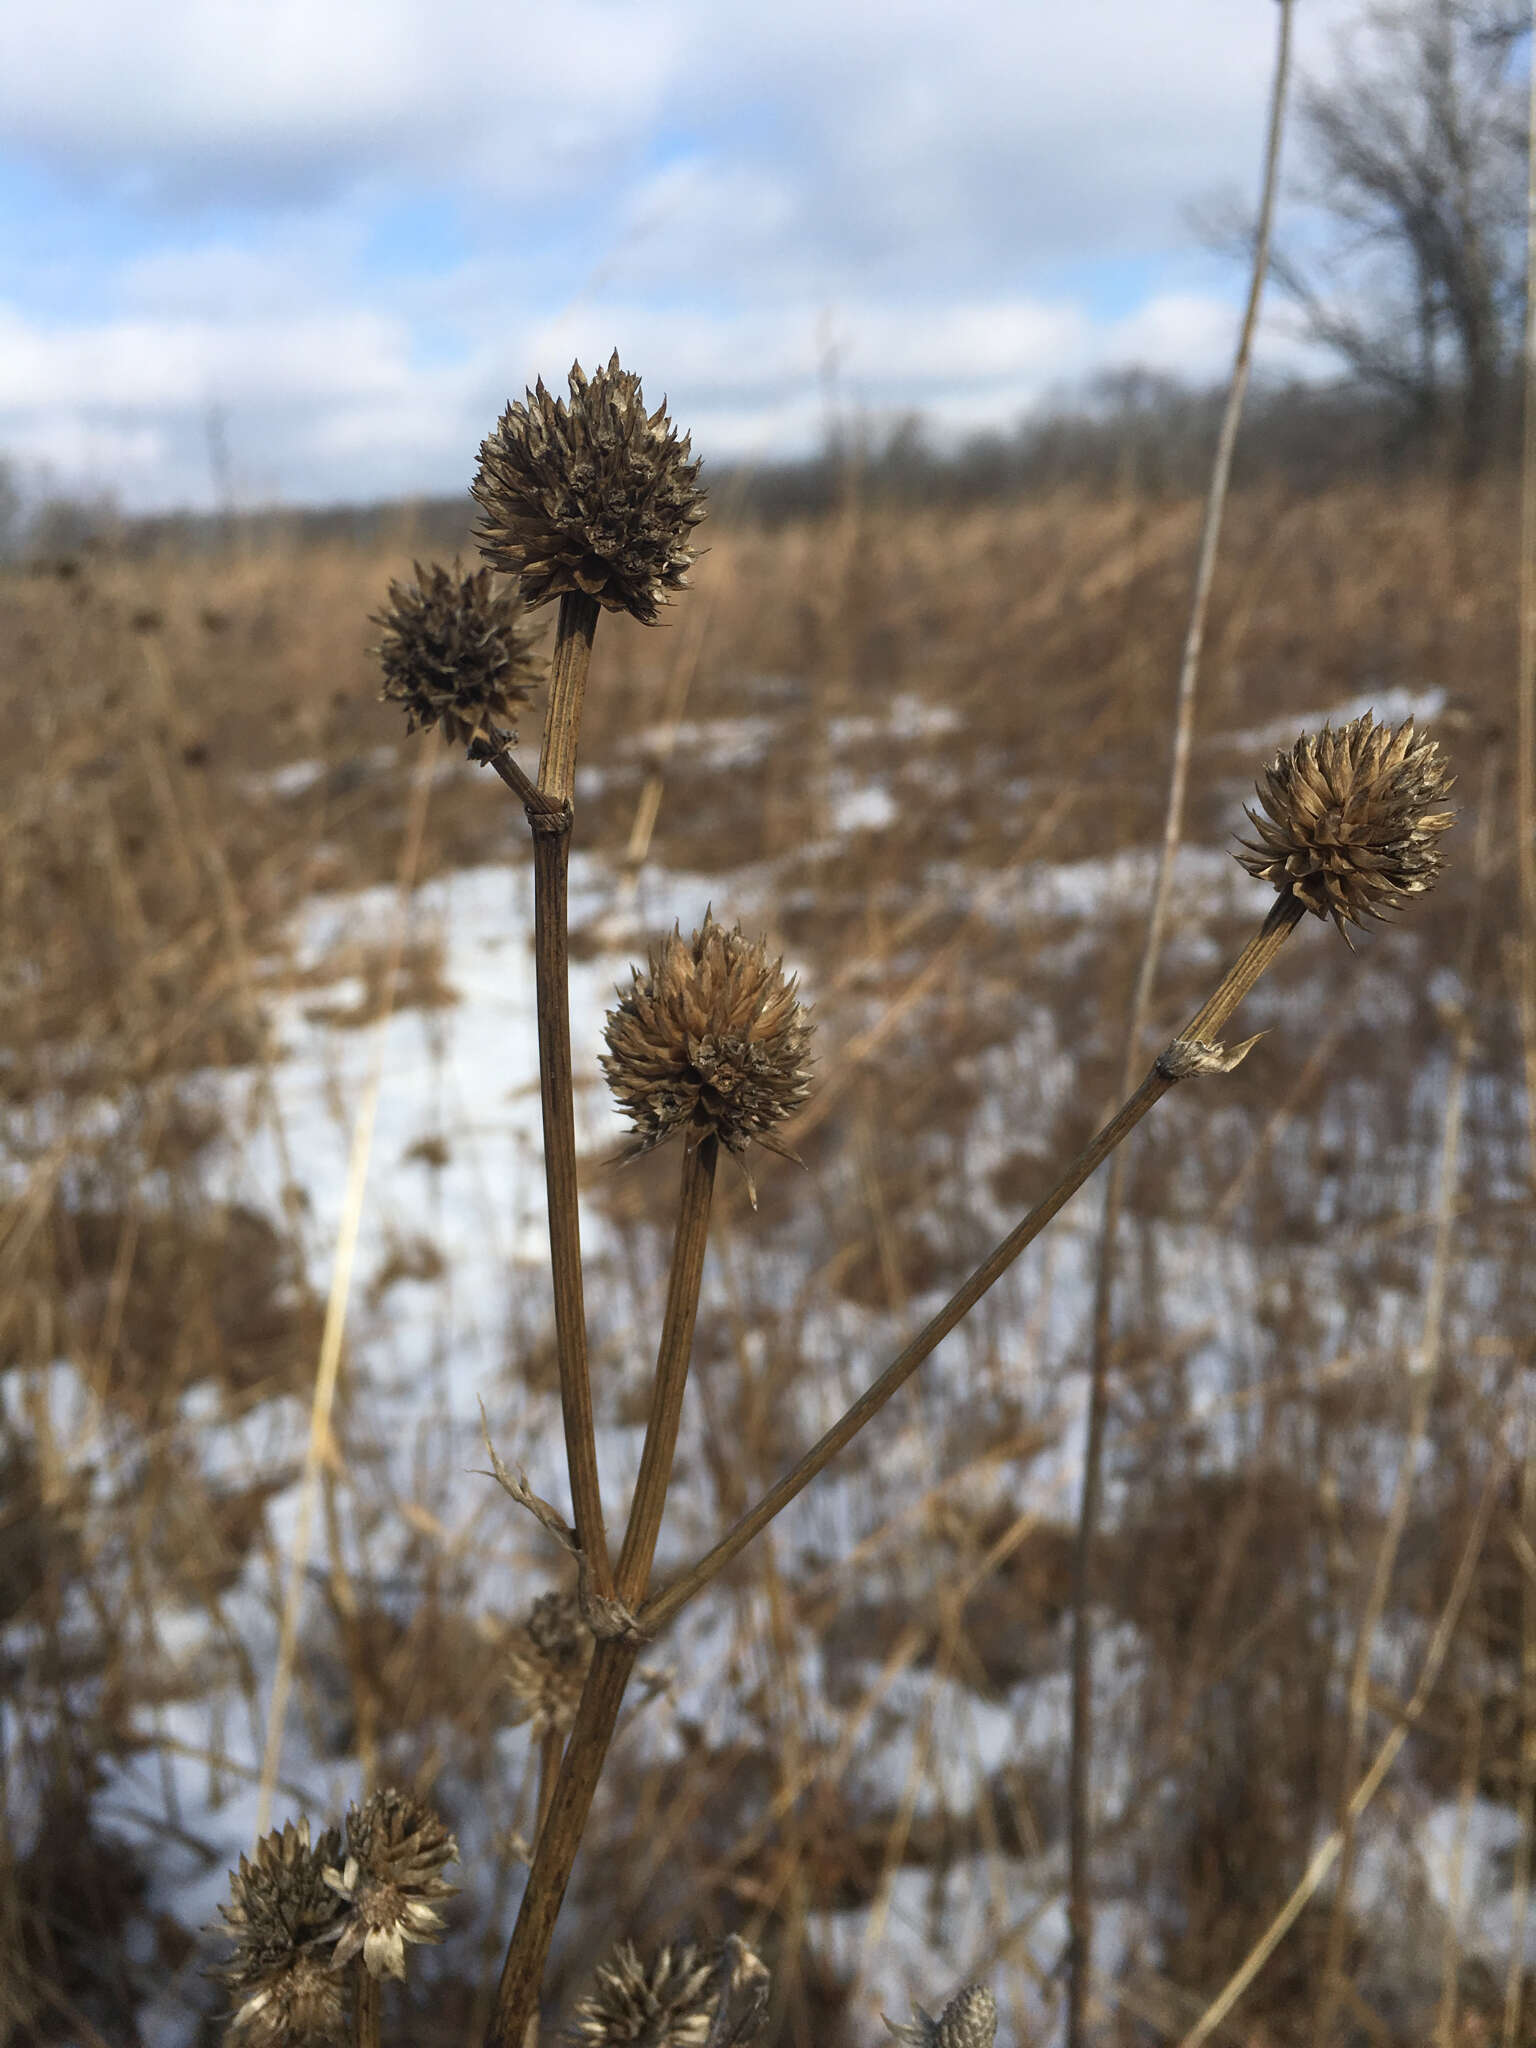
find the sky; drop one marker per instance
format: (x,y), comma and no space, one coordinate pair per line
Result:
(305,251)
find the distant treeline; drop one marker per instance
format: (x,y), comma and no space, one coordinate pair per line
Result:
(1127,431)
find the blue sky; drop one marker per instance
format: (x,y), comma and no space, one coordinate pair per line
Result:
(352,229)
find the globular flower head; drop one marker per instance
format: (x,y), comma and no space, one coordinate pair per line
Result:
(456,652)
(711,1038)
(1354,818)
(396,1848)
(279,1902)
(547,1661)
(968,2021)
(297,2005)
(680,1999)
(597,495)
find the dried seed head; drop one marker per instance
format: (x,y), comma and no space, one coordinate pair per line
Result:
(455,651)
(547,1661)
(396,1847)
(968,2021)
(297,2005)
(710,1038)
(1353,819)
(681,1999)
(280,1907)
(596,496)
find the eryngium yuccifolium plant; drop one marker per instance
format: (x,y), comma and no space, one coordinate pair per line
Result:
(597,496)
(547,1661)
(1353,820)
(968,2021)
(282,1917)
(711,1038)
(681,1999)
(396,1848)
(455,652)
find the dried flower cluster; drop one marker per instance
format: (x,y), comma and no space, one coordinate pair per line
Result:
(547,1661)
(396,1848)
(455,652)
(596,496)
(968,2021)
(283,1917)
(681,1999)
(710,1038)
(1353,819)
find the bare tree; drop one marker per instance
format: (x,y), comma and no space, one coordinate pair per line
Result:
(1416,180)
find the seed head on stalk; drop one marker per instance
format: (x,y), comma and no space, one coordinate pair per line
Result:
(396,1848)
(710,1038)
(283,1917)
(1353,820)
(680,1999)
(597,496)
(455,652)
(968,2021)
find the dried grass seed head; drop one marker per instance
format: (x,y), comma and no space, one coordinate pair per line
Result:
(597,496)
(710,1038)
(456,652)
(968,2021)
(674,2001)
(396,1849)
(1353,820)
(280,1904)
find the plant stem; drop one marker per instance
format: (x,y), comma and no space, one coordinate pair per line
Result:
(1080,1767)
(551,952)
(1255,957)
(367,2006)
(612,1661)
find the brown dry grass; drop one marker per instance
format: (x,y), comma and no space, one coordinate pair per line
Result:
(151,869)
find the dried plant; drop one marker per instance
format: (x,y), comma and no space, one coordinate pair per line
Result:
(547,1659)
(284,1917)
(1354,819)
(968,2021)
(396,1848)
(680,1999)
(711,1038)
(597,497)
(455,652)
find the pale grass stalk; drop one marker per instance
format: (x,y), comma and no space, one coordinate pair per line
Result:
(1451,1947)
(328,1366)
(1328,1852)
(1422,1372)
(1525,839)
(1080,1760)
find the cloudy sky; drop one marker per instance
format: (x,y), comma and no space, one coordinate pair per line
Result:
(319,243)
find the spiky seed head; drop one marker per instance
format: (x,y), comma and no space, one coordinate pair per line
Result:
(670,2002)
(1354,818)
(547,1661)
(598,496)
(297,2005)
(710,1038)
(456,652)
(968,2021)
(280,1907)
(396,1848)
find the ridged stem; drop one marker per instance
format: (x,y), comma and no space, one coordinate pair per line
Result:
(602,1695)
(367,2004)
(551,953)
(1255,957)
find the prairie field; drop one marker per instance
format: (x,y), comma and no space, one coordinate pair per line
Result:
(269,1020)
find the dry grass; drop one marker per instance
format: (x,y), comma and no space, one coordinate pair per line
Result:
(156,855)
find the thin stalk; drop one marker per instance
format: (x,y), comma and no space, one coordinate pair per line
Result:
(1255,957)
(367,2007)
(1080,1768)
(551,953)
(612,1661)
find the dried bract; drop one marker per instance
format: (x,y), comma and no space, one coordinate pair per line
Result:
(597,496)
(681,1999)
(280,1905)
(455,652)
(547,1663)
(395,1849)
(710,1038)
(298,2005)
(1353,820)
(968,2021)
